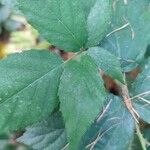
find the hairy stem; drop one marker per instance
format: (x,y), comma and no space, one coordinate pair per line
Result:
(141,138)
(128,103)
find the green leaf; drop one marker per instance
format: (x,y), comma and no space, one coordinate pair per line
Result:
(98,21)
(113,130)
(129,43)
(49,134)
(64,22)
(107,62)
(82,95)
(141,93)
(28,88)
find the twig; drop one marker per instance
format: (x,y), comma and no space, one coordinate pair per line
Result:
(127,100)
(104,111)
(128,103)
(145,100)
(132,32)
(141,94)
(131,28)
(91,145)
(65,146)
(114,4)
(99,136)
(118,29)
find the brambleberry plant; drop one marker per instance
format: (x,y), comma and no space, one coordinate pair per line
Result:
(65,105)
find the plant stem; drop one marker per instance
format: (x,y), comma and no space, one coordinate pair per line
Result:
(128,102)
(141,138)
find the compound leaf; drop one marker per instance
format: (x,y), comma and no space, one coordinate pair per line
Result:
(49,134)
(113,130)
(28,88)
(82,95)
(107,62)
(64,22)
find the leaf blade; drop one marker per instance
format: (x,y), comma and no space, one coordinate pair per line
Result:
(64,23)
(128,33)
(81,94)
(61,31)
(114,130)
(45,135)
(24,76)
(98,22)
(107,62)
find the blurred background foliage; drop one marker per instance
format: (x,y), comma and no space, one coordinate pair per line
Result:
(15,33)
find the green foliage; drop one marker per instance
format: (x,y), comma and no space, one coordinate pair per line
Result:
(114,130)
(85,98)
(129,44)
(68,24)
(46,135)
(36,85)
(29,84)
(107,62)
(98,21)
(141,91)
